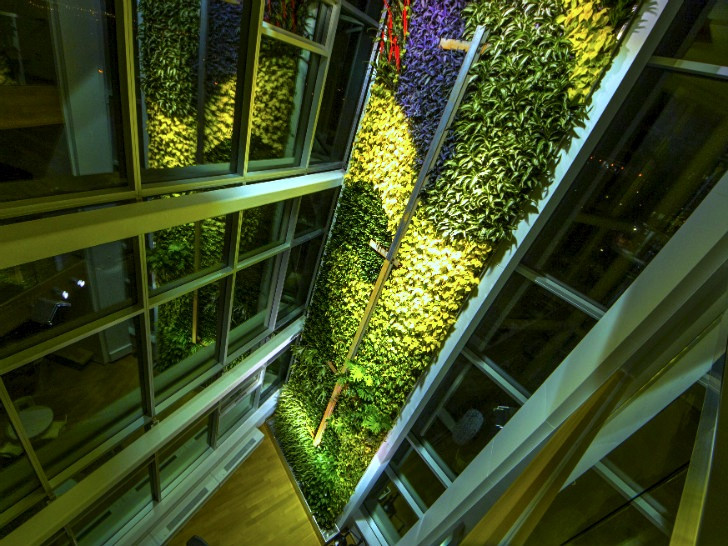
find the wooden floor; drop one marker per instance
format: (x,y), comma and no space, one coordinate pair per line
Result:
(257,506)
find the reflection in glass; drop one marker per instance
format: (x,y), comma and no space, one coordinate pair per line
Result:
(186,251)
(188,120)
(389,510)
(59,98)
(708,43)
(17,478)
(275,373)
(344,80)
(650,171)
(413,471)
(74,399)
(184,331)
(251,302)
(299,276)
(133,497)
(313,212)
(528,332)
(468,413)
(283,95)
(183,452)
(41,299)
(236,407)
(640,507)
(306,18)
(261,229)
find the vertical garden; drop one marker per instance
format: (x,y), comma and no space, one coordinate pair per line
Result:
(530,89)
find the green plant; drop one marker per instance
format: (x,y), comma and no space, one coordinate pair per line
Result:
(526,98)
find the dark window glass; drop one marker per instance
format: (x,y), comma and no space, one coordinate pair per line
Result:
(185,252)
(314,212)
(306,18)
(236,408)
(659,159)
(74,399)
(389,510)
(528,332)
(183,452)
(283,94)
(699,33)
(413,472)
(299,276)
(184,331)
(17,479)
(372,8)
(59,98)
(261,229)
(188,64)
(102,521)
(469,411)
(41,299)
(344,81)
(275,373)
(645,475)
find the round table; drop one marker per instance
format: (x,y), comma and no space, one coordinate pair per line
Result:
(36,420)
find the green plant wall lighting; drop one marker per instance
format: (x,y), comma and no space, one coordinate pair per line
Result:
(528,93)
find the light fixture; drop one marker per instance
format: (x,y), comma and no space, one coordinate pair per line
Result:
(78,282)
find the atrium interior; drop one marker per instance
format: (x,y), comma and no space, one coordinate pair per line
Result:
(431,272)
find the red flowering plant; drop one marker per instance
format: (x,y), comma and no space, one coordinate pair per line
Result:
(392,39)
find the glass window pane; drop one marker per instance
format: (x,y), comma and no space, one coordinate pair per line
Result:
(251,302)
(187,121)
(74,399)
(17,478)
(236,408)
(41,299)
(261,229)
(650,465)
(184,331)
(414,472)
(306,18)
(467,413)
(389,510)
(283,95)
(132,498)
(314,212)
(275,373)
(183,452)
(344,81)
(654,166)
(185,252)
(59,99)
(708,43)
(528,332)
(299,276)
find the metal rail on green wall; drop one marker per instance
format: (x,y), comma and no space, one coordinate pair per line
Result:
(456,96)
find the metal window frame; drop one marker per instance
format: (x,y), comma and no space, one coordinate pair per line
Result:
(73,503)
(199,177)
(85,227)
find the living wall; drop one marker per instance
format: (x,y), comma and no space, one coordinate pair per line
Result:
(169,44)
(530,89)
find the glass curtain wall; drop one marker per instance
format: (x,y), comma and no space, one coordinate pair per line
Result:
(79,403)
(105,103)
(99,106)
(663,153)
